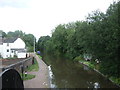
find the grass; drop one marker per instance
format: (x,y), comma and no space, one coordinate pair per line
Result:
(33,67)
(28,77)
(88,63)
(115,80)
(39,56)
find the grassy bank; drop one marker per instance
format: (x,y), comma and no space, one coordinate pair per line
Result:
(28,77)
(96,66)
(39,56)
(33,67)
(115,80)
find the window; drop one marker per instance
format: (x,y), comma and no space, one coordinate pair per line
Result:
(7,44)
(7,50)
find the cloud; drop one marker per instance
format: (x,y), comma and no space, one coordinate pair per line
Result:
(14,3)
(42,16)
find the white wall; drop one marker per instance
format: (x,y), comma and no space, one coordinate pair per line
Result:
(19,43)
(21,55)
(1,49)
(5,48)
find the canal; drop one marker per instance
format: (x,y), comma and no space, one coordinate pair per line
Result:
(69,74)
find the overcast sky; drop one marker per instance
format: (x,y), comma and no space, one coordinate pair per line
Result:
(39,17)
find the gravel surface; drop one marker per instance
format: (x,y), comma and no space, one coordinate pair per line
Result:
(42,77)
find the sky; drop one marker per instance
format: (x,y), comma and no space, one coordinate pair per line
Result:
(40,17)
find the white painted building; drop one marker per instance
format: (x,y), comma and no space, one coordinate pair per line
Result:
(11,47)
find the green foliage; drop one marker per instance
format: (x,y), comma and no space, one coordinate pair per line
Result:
(79,58)
(27,38)
(99,36)
(16,33)
(39,56)
(3,33)
(28,77)
(15,56)
(33,67)
(42,43)
(116,80)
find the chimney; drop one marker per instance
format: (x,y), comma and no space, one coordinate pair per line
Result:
(1,42)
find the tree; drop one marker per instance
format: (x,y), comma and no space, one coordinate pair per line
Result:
(41,44)
(3,33)
(17,33)
(98,36)
(29,41)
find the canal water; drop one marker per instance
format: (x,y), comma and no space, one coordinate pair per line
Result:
(69,74)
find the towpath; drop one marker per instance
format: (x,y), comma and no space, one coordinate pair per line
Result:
(42,77)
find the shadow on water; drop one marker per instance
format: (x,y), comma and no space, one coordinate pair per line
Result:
(68,74)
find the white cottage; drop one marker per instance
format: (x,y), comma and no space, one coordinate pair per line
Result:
(10,47)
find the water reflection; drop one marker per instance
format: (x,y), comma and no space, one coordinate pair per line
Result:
(85,67)
(68,74)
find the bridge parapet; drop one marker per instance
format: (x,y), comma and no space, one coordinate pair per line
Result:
(19,66)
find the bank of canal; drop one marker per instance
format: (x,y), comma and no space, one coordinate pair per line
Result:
(68,74)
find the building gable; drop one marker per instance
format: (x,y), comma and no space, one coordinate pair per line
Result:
(18,44)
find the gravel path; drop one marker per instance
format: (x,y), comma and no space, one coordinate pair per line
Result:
(42,77)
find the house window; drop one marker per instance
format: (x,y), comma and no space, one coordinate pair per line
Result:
(7,44)
(7,50)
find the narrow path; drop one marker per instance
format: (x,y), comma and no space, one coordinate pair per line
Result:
(42,77)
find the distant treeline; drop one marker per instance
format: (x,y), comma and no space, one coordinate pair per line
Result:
(27,38)
(98,35)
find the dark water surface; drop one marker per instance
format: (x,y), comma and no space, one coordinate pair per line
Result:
(68,74)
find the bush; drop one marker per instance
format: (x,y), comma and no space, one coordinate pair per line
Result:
(79,58)
(116,80)
(15,56)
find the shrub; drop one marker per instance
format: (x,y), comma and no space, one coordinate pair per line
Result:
(79,58)
(15,56)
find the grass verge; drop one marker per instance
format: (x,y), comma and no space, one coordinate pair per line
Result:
(88,63)
(33,67)
(28,77)
(39,56)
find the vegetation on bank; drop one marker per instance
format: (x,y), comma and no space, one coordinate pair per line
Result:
(33,67)
(98,35)
(39,56)
(94,65)
(115,80)
(27,77)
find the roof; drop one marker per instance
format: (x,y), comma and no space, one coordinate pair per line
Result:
(10,40)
